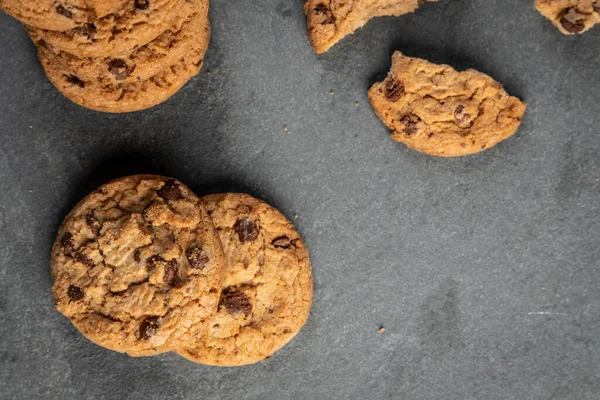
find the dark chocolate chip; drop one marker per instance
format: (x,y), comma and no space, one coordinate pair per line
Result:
(142,4)
(87,30)
(572,26)
(73,80)
(93,224)
(170,270)
(410,122)
(119,69)
(282,242)
(329,21)
(460,116)
(236,303)
(394,90)
(321,9)
(63,11)
(170,190)
(136,255)
(82,258)
(75,293)
(154,262)
(246,230)
(68,244)
(148,327)
(197,258)
(596,6)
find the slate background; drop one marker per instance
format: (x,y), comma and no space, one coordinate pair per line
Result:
(484,270)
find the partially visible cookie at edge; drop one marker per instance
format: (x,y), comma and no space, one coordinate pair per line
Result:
(137,265)
(60,15)
(329,21)
(135,25)
(439,111)
(570,16)
(267,286)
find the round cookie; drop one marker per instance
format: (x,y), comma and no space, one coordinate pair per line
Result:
(267,286)
(137,265)
(60,15)
(135,25)
(145,62)
(132,95)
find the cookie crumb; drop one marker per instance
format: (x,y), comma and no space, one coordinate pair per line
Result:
(285,128)
(30,126)
(296,216)
(356,105)
(381,329)
(208,73)
(331,93)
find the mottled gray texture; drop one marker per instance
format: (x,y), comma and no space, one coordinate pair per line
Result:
(484,270)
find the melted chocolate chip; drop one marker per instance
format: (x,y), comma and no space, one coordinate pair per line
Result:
(63,11)
(282,242)
(236,303)
(119,69)
(321,9)
(394,90)
(136,255)
(73,80)
(75,293)
(572,26)
(197,258)
(170,190)
(410,124)
(170,270)
(246,230)
(142,4)
(460,116)
(148,327)
(82,258)
(93,224)
(68,244)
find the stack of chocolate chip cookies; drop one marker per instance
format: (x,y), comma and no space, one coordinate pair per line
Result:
(117,55)
(143,266)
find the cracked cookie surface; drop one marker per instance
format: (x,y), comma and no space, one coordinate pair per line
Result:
(60,15)
(267,286)
(439,111)
(329,21)
(570,16)
(135,25)
(137,265)
(145,62)
(137,93)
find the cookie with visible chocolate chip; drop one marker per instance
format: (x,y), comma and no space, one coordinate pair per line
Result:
(118,34)
(439,111)
(267,286)
(122,87)
(570,16)
(60,15)
(137,266)
(329,21)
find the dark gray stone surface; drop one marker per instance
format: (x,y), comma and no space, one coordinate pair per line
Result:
(484,270)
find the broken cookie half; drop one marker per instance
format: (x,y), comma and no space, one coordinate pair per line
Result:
(439,111)
(331,20)
(570,16)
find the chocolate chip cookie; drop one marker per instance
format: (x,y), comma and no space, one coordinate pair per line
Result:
(267,287)
(442,112)
(121,87)
(135,25)
(60,15)
(137,265)
(329,21)
(570,16)
(145,62)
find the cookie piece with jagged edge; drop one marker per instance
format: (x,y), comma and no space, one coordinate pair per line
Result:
(570,16)
(60,15)
(329,21)
(137,266)
(267,285)
(439,111)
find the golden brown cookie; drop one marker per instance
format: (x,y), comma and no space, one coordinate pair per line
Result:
(267,287)
(329,21)
(439,111)
(137,265)
(570,16)
(138,89)
(60,15)
(135,25)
